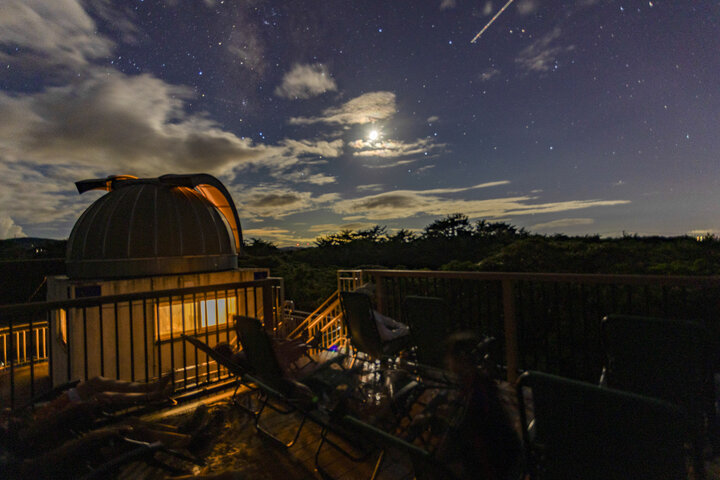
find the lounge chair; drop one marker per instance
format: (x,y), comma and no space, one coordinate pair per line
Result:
(427,318)
(424,463)
(279,392)
(362,328)
(584,431)
(145,452)
(660,358)
(236,370)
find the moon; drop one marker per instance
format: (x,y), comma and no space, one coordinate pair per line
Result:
(373,135)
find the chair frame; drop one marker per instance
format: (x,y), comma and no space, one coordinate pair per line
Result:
(684,388)
(642,417)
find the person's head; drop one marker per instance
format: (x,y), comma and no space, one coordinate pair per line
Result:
(460,352)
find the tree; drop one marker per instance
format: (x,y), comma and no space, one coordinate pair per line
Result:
(451,226)
(485,229)
(374,234)
(403,236)
(260,247)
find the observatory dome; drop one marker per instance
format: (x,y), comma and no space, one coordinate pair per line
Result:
(174,224)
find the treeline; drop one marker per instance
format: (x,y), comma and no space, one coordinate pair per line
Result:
(448,243)
(455,243)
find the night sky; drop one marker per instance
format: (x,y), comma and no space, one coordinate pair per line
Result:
(580,117)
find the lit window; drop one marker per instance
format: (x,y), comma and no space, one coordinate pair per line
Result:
(188,315)
(62,326)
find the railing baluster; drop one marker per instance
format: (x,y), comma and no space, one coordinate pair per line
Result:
(102,340)
(511,345)
(158,332)
(117,341)
(228,315)
(132,341)
(217,331)
(12,363)
(48,338)
(85,352)
(207,338)
(145,341)
(32,360)
(172,337)
(184,346)
(68,339)
(197,328)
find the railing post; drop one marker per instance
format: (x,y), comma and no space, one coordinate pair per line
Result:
(268,306)
(380,293)
(512,359)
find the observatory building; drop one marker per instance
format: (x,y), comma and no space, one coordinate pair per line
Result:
(148,235)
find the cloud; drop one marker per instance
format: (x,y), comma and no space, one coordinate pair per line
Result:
(366,108)
(8,228)
(541,54)
(321,148)
(562,223)
(45,199)
(393,164)
(56,33)
(117,18)
(423,169)
(447,4)
(489,74)
(527,7)
(275,201)
(703,231)
(326,228)
(373,187)
(392,148)
(120,124)
(487,9)
(280,236)
(305,176)
(305,81)
(290,153)
(408,203)
(245,43)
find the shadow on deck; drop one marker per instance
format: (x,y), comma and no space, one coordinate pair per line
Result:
(235,446)
(29,381)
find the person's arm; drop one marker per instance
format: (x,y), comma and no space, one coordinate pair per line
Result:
(391,323)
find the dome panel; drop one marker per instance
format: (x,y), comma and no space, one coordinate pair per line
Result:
(147,227)
(144,245)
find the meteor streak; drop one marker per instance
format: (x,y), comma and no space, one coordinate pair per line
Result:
(491,21)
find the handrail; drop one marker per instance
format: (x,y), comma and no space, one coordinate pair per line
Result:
(36,307)
(94,334)
(306,323)
(330,307)
(626,279)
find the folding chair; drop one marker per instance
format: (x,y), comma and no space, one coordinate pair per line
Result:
(660,358)
(238,371)
(271,380)
(424,464)
(362,329)
(580,430)
(427,318)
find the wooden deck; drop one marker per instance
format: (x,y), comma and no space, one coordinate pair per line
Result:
(238,450)
(237,447)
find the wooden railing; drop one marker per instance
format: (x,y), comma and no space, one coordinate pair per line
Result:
(551,322)
(28,345)
(133,336)
(327,318)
